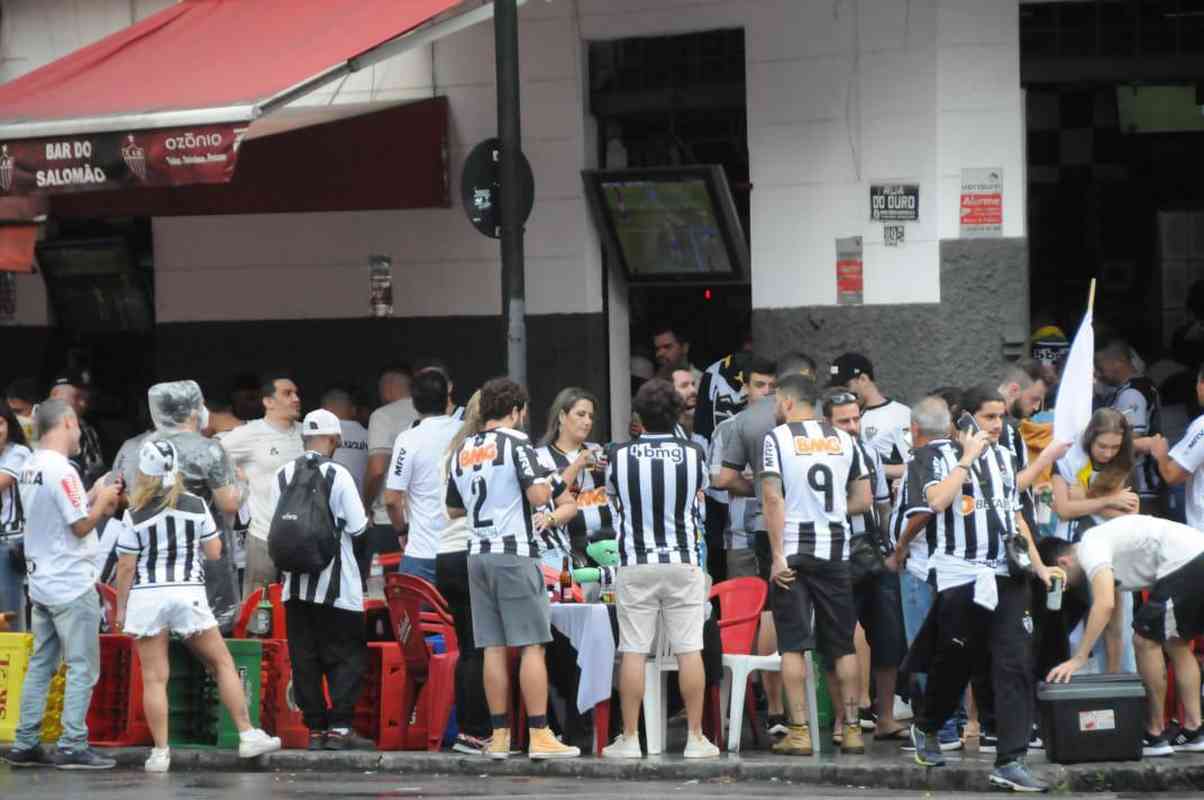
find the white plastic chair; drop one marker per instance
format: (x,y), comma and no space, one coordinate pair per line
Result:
(737,668)
(656,690)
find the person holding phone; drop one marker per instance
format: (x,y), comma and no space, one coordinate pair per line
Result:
(981,624)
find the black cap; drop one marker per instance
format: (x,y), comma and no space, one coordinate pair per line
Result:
(847,367)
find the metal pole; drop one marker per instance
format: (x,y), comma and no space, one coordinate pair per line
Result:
(509,123)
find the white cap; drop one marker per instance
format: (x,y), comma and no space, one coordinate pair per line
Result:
(321,423)
(158,459)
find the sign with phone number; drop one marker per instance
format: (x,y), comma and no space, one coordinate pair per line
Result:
(894,202)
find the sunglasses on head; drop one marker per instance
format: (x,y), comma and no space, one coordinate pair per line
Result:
(842,399)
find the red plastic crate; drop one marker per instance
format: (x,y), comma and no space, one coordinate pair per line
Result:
(378,714)
(116,717)
(279,713)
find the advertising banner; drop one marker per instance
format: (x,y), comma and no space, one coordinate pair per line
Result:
(982,203)
(850,281)
(117,160)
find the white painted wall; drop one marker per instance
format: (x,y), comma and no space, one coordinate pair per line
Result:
(840,93)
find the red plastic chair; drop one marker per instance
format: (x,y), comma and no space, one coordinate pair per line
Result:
(108,599)
(551,581)
(741,601)
(279,626)
(416,611)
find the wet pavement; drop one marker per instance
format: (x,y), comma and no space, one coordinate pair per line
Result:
(125,784)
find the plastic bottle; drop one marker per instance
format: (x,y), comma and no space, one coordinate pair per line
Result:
(376,579)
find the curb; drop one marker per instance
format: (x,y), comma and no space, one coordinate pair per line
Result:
(1182,773)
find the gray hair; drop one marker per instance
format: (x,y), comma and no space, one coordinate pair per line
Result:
(49,414)
(931,416)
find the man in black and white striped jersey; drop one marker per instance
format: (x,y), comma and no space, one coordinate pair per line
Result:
(656,483)
(325,611)
(982,621)
(813,477)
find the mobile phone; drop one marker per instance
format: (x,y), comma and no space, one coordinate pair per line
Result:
(966,422)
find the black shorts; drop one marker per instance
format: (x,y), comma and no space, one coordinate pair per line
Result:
(822,586)
(1175,609)
(880,612)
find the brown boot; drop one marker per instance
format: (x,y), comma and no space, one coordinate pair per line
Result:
(795,743)
(853,743)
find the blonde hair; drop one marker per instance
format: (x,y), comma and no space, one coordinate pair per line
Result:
(471,427)
(148,488)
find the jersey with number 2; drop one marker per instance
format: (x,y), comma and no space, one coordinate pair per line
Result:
(489,478)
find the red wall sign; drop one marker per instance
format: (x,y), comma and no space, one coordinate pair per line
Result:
(166,157)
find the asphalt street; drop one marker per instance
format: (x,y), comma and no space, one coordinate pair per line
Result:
(137,785)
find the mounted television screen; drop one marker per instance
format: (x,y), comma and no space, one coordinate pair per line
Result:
(95,286)
(669,224)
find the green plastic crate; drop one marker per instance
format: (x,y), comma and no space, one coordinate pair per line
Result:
(197,717)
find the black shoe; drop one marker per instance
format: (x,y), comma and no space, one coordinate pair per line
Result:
(987,743)
(776,725)
(30,757)
(340,739)
(317,740)
(868,719)
(1185,741)
(1156,746)
(82,758)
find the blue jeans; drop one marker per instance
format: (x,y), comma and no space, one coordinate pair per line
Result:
(67,632)
(418,567)
(918,597)
(12,587)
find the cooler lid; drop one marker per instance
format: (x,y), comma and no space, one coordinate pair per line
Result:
(1094,687)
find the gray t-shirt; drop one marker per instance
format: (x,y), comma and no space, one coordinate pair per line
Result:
(743,444)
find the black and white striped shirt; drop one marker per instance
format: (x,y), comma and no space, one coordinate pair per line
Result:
(869,522)
(167,541)
(654,483)
(12,513)
(340,584)
(594,511)
(816,464)
(489,478)
(977,524)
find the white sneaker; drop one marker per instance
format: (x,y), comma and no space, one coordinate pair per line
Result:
(160,760)
(699,746)
(623,747)
(255,743)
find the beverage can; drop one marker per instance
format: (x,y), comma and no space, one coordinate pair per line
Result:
(1053,599)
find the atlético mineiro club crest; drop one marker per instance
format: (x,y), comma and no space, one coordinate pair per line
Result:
(6,169)
(134,158)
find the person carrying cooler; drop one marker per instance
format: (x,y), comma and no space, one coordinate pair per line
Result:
(168,534)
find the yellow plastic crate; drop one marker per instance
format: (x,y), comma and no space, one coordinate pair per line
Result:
(15,652)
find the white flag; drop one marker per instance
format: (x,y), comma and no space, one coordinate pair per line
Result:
(1073,411)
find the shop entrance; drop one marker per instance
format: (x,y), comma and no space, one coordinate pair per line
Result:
(680,102)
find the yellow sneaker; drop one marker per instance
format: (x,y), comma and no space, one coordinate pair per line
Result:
(545,745)
(853,742)
(797,742)
(499,745)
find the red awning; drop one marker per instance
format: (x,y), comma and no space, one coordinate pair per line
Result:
(168,100)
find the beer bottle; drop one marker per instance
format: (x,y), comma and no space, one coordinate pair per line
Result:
(566,581)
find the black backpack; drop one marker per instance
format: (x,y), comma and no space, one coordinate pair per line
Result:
(303,537)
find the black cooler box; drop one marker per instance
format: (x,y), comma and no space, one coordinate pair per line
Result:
(1093,718)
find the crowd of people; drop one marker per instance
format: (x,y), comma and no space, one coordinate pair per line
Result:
(917,550)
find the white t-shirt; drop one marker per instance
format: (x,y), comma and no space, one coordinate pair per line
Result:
(353,452)
(886,428)
(345,589)
(417,468)
(1189,454)
(12,514)
(260,449)
(1140,550)
(61,565)
(384,426)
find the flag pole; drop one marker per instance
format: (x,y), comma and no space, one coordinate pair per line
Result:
(1091,297)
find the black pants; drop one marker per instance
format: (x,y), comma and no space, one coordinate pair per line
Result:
(472,711)
(326,642)
(990,649)
(716,521)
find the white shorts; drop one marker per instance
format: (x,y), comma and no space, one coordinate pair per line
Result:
(182,610)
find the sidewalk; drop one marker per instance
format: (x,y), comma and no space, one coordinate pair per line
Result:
(883,767)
